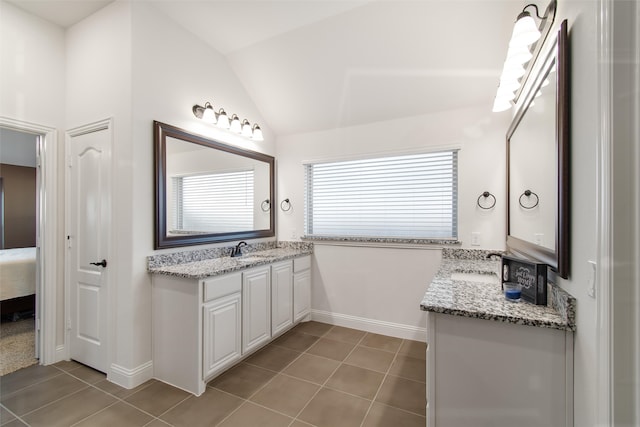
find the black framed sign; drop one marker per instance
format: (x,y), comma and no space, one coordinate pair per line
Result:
(532,276)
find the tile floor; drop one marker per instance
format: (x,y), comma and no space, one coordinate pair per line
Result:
(314,375)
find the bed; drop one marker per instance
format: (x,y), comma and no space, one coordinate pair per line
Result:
(17,279)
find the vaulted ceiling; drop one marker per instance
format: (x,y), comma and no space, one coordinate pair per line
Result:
(319,64)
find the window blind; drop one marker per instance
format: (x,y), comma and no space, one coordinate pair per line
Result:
(218,202)
(409,196)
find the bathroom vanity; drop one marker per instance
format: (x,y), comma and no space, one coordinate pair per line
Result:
(491,361)
(210,314)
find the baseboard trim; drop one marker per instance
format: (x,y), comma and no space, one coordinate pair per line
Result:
(371,325)
(130,378)
(60,354)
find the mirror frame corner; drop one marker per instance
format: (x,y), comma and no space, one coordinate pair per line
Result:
(557,259)
(161,241)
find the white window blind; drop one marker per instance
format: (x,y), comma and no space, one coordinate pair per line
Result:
(409,196)
(213,202)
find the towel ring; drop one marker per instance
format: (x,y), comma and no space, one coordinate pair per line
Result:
(529,193)
(486,195)
(265,205)
(285,205)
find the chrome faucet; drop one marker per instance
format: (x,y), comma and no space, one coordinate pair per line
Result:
(237,251)
(492,254)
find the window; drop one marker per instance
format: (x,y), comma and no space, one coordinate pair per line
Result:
(409,196)
(213,202)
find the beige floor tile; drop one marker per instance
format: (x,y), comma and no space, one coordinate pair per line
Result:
(15,423)
(5,416)
(285,394)
(415,349)
(370,358)
(381,342)
(157,423)
(312,368)
(404,394)
(354,380)
(330,408)
(157,398)
(118,391)
(331,349)
(338,333)
(298,341)
(298,423)
(71,409)
(22,378)
(254,415)
(206,410)
(243,380)
(313,328)
(87,374)
(273,357)
(409,367)
(386,416)
(68,365)
(118,414)
(37,395)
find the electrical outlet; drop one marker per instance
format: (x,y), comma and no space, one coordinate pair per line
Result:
(591,279)
(475,238)
(294,234)
(538,239)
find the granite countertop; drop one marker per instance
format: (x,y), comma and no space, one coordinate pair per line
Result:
(484,300)
(200,269)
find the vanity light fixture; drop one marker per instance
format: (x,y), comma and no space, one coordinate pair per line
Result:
(526,41)
(222,120)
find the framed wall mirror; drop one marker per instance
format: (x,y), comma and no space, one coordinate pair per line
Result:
(209,192)
(538,164)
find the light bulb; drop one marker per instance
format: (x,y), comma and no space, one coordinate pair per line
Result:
(257,133)
(525,32)
(235,125)
(223,120)
(208,115)
(246,128)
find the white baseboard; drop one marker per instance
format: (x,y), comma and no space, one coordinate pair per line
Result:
(371,325)
(131,378)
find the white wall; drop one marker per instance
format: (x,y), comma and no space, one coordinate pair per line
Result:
(478,133)
(32,90)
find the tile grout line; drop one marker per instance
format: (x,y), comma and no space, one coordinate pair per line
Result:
(386,374)
(328,377)
(269,382)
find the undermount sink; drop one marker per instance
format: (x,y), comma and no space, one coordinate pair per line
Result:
(475,277)
(250,258)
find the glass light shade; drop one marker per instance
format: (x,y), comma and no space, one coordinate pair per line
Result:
(257,133)
(509,84)
(500,105)
(519,55)
(506,94)
(208,115)
(246,128)
(223,120)
(525,32)
(235,125)
(512,71)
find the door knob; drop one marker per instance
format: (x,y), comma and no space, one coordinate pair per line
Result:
(102,263)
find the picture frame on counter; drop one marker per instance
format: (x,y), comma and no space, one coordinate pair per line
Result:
(532,276)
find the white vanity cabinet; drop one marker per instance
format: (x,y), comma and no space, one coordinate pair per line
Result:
(301,288)
(483,372)
(256,307)
(281,296)
(201,327)
(222,323)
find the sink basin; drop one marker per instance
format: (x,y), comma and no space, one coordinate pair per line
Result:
(475,277)
(250,258)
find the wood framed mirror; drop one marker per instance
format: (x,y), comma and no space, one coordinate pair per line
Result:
(209,192)
(538,164)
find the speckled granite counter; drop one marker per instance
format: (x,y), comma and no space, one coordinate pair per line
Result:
(213,262)
(484,300)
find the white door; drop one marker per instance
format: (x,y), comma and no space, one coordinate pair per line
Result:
(88,231)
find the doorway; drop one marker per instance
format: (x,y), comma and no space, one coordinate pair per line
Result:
(42,270)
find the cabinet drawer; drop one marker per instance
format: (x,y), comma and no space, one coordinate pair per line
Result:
(302,263)
(220,286)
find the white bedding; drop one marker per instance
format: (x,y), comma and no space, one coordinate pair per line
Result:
(17,273)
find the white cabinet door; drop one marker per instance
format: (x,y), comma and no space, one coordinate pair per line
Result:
(222,330)
(301,295)
(256,303)
(281,296)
